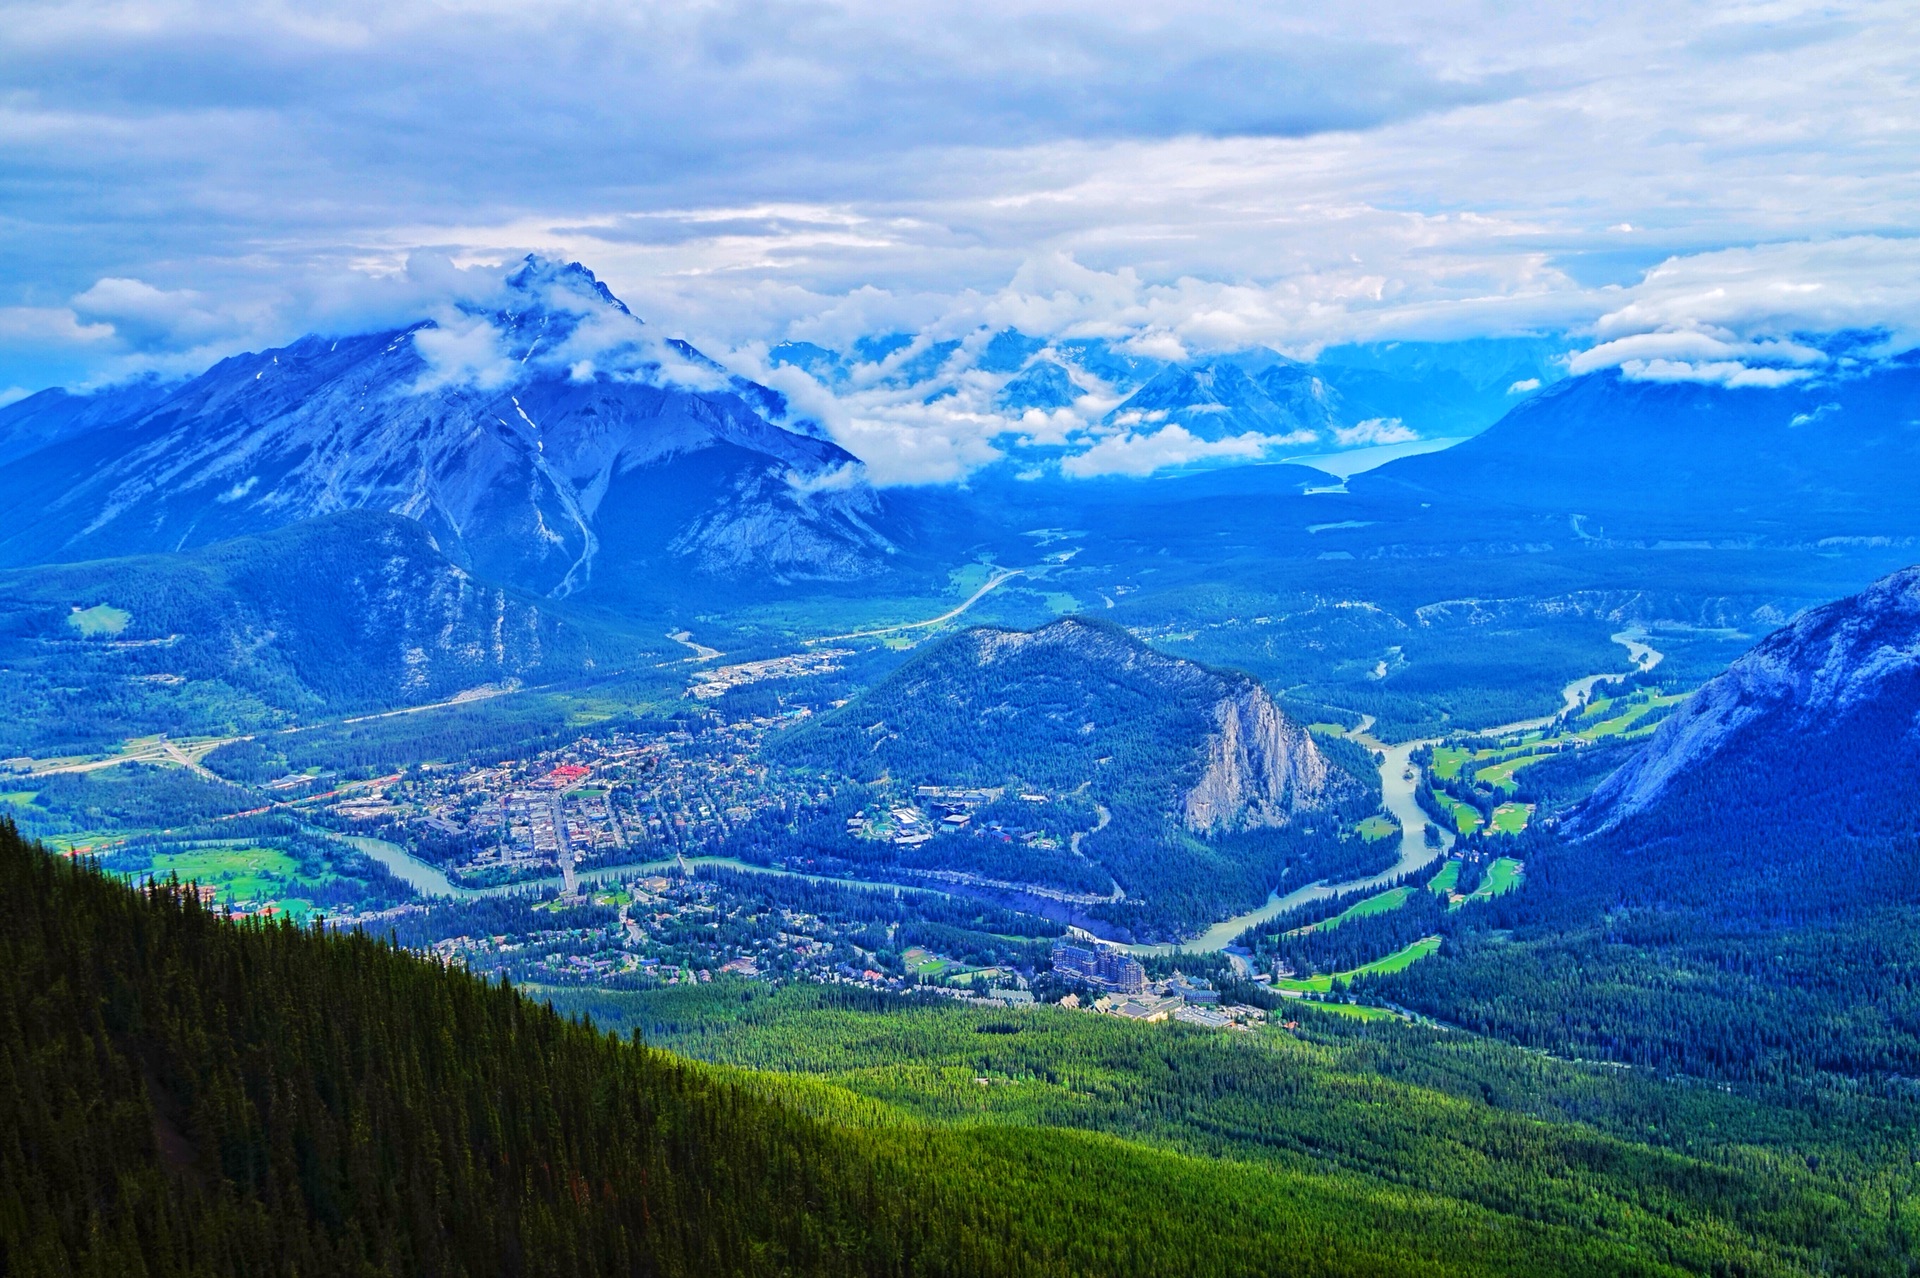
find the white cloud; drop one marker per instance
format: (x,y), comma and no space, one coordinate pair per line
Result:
(1524,385)
(933,449)
(838,479)
(13,395)
(463,350)
(53,325)
(1143,454)
(1186,177)
(1375,430)
(1719,372)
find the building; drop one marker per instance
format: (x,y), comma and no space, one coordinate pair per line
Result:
(1193,991)
(1205,1017)
(1146,1008)
(1109,969)
(1119,972)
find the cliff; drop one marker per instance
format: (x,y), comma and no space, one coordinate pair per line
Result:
(1260,766)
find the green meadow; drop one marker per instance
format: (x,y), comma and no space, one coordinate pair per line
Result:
(1398,961)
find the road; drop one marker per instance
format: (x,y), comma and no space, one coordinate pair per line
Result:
(994,583)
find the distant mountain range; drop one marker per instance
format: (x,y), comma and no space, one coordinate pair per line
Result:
(1349,397)
(1607,458)
(546,439)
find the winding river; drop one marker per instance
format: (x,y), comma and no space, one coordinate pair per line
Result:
(430,880)
(1398,780)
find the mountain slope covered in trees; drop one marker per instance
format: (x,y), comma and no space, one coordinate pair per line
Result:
(1742,897)
(354,612)
(1714,465)
(183,1095)
(1208,794)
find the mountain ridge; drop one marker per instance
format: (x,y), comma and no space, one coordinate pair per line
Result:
(516,432)
(1801,681)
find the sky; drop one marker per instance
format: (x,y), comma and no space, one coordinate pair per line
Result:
(1693,190)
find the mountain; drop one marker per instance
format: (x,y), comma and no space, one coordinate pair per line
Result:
(543,436)
(351,612)
(192,1095)
(1044,385)
(1206,792)
(1253,393)
(33,423)
(1811,741)
(1606,458)
(1054,707)
(1441,389)
(1740,899)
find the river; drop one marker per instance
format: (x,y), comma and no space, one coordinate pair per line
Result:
(1398,781)
(430,880)
(1399,778)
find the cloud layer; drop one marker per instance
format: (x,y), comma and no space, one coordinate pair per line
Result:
(1701,189)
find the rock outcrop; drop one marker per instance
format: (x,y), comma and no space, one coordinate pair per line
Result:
(1261,766)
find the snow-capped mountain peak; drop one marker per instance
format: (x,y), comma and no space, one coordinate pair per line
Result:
(529,430)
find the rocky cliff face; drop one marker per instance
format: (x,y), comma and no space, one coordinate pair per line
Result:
(1261,766)
(1834,665)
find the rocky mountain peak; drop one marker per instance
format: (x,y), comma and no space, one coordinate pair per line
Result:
(530,430)
(1804,681)
(1259,766)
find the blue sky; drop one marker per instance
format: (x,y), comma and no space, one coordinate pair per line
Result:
(1688,186)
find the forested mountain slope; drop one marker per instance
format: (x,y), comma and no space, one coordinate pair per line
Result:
(1208,793)
(184,1095)
(1743,896)
(358,611)
(1082,702)
(1611,459)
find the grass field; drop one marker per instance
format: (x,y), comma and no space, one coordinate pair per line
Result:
(1503,876)
(1466,817)
(1373,829)
(1448,760)
(1355,1011)
(922,962)
(1443,882)
(1500,775)
(1398,961)
(1618,718)
(98,620)
(1389,900)
(1511,818)
(243,875)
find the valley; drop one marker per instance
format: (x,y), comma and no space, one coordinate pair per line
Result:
(1184,812)
(838,640)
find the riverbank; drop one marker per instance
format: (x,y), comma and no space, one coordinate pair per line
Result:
(1399,779)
